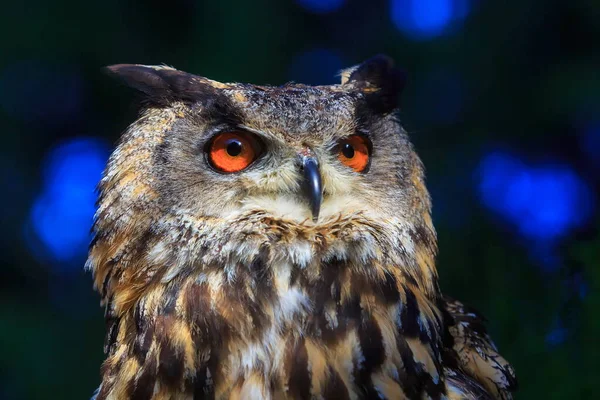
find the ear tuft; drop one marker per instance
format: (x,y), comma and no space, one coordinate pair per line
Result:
(160,84)
(380,80)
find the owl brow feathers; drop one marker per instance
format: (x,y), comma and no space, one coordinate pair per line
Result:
(162,85)
(377,79)
(380,81)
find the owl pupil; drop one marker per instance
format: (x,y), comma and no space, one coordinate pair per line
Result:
(348,150)
(234,148)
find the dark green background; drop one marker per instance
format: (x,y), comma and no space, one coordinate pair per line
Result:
(531,74)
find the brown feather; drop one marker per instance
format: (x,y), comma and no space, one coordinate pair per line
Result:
(223,286)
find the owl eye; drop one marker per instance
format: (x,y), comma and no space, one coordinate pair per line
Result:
(233,151)
(353,152)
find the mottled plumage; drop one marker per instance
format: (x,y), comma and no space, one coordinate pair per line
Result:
(247,286)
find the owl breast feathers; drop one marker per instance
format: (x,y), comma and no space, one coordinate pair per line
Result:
(257,242)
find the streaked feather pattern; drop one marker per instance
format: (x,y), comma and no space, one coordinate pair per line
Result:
(221,287)
(475,352)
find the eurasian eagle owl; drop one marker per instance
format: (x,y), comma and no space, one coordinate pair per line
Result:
(257,242)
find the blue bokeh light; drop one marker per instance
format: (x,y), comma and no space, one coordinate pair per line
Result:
(544,202)
(426,19)
(62,214)
(316,67)
(321,6)
(557,336)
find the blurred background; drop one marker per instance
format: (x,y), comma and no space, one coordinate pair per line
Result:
(502,103)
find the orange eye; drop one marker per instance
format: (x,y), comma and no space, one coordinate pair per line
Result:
(233,151)
(353,152)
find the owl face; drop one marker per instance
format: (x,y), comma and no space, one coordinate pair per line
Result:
(228,159)
(297,153)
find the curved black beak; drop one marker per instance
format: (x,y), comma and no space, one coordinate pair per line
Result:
(313,188)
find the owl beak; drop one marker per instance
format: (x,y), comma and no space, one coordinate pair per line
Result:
(313,187)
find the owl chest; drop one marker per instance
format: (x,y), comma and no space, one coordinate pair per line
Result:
(285,338)
(281,335)
(334,337)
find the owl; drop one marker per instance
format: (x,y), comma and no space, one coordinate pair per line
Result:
(260,242)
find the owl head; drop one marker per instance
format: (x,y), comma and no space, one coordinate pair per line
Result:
(224,174)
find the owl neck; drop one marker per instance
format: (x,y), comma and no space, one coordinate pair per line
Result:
(128,262)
